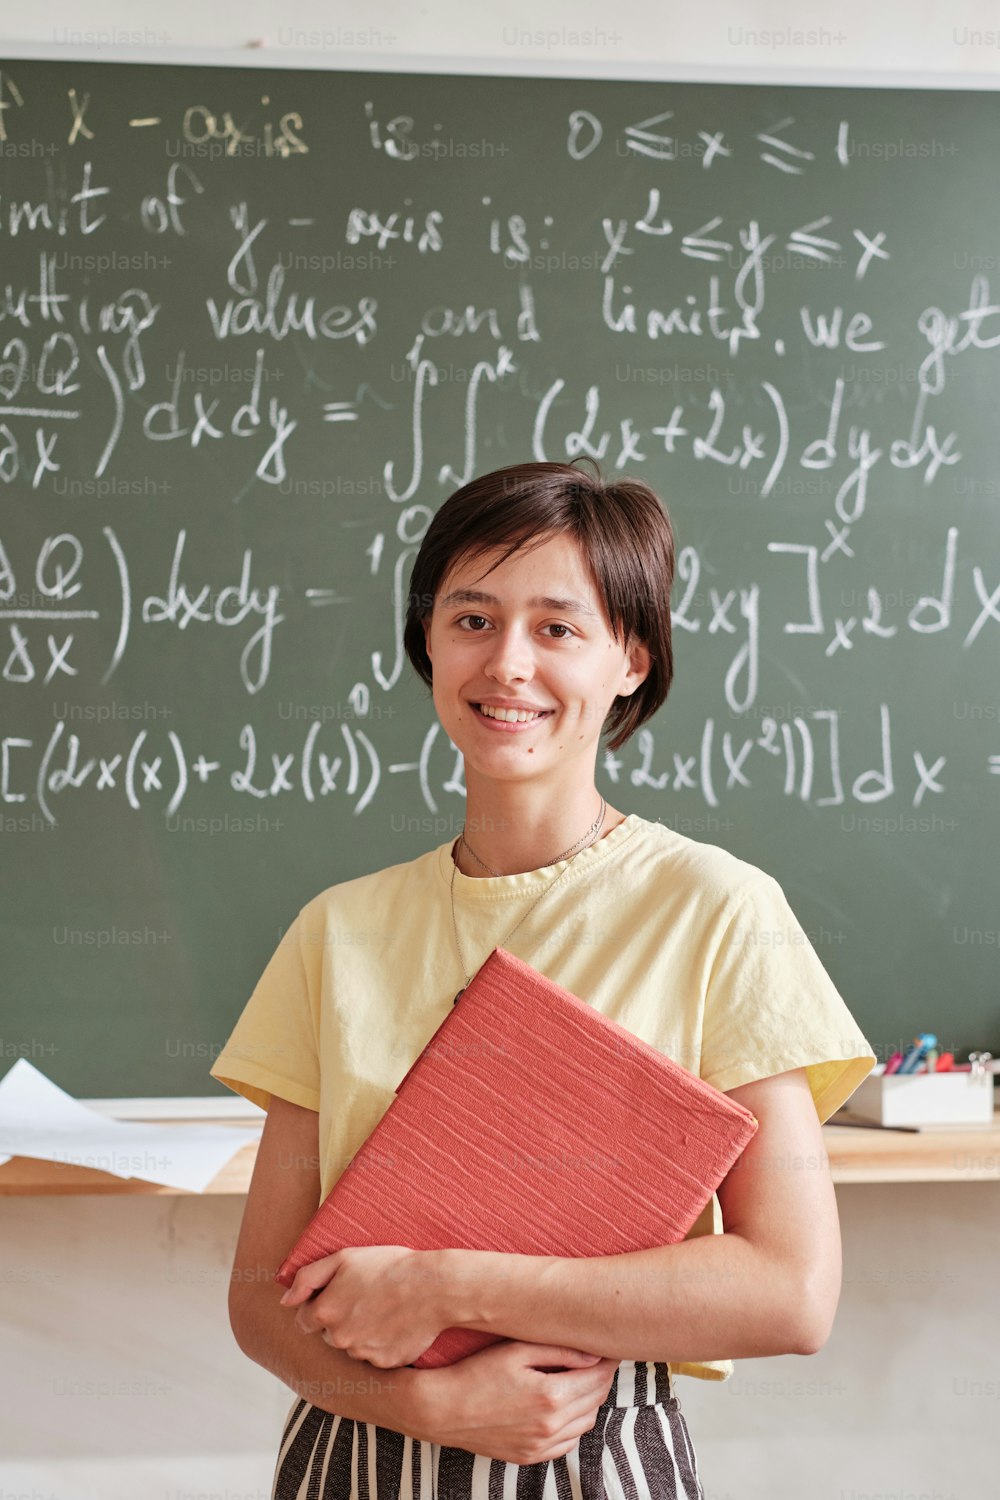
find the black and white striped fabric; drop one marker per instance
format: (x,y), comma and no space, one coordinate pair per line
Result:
(638,1449)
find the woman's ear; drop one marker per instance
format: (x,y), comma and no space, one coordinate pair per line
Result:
(640,664)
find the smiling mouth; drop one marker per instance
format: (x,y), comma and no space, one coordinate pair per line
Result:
(511,716)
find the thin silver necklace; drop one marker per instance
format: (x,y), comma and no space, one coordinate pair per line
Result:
(589,836)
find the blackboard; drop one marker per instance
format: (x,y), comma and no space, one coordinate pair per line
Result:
(258,324)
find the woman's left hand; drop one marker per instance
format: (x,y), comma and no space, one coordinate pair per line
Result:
(382,1303)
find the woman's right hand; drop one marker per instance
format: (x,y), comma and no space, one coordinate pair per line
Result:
(507,1402)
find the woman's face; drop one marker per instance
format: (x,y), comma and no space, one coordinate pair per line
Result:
(515,647)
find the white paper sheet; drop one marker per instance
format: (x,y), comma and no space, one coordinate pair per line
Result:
(38,1118)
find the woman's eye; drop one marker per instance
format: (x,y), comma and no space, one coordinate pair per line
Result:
(554,626)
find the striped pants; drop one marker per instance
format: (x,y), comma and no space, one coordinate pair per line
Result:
(638,1449)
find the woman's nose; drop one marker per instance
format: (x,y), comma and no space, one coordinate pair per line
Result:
(510,657)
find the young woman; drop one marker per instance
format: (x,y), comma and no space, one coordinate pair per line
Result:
(539,616)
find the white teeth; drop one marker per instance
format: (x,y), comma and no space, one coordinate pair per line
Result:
(508,715)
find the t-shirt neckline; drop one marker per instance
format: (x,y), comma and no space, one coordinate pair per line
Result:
(502,887)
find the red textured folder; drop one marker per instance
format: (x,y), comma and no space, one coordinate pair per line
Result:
(531,1124)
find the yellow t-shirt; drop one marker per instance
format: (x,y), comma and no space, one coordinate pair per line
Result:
(690,948)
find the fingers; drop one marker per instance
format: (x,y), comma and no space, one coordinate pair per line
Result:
(309,1279)
(556,1354)
(578,1418)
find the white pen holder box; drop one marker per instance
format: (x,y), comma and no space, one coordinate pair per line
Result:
(923,1099)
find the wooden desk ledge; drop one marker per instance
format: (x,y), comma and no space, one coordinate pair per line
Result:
(953,1153)
(30,1174)
(968,1153)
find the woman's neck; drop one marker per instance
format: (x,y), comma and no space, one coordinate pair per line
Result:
(508,847)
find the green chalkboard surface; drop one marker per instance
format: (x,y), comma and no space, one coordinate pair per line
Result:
(257,325)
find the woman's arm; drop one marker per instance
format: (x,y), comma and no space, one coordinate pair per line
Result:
(283,1196)
(768,1285)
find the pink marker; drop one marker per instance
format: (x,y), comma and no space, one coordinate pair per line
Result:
(894,1062)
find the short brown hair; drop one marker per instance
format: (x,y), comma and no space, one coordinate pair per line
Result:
(621,527)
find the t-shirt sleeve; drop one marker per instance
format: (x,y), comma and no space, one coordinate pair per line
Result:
(274,1046)
(771,1006)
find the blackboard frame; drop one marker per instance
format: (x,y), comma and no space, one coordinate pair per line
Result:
(263,58)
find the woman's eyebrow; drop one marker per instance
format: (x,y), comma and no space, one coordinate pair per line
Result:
(540,601)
